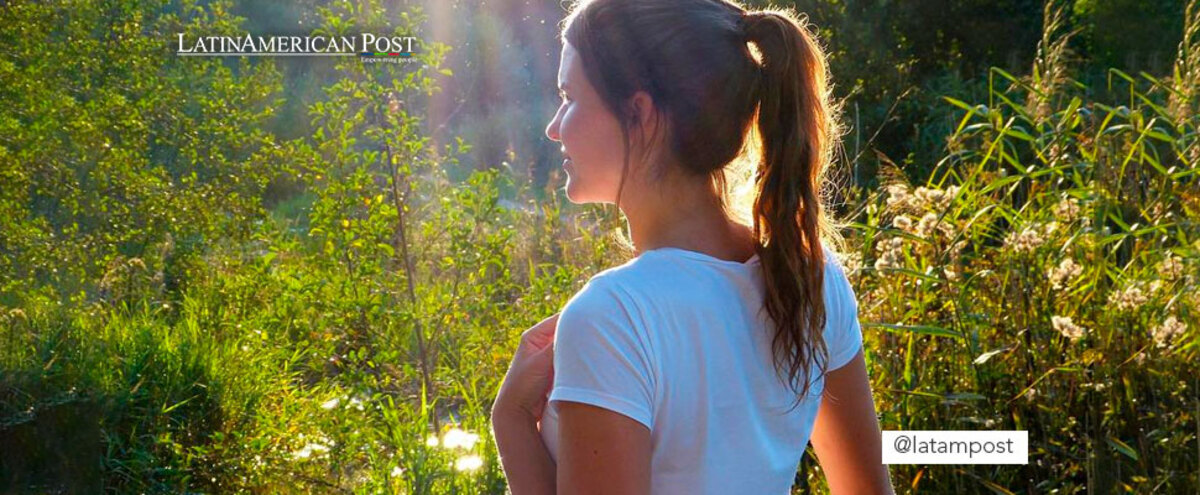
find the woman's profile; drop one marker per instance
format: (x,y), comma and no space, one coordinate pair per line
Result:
(708,361)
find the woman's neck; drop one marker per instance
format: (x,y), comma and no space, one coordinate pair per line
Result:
(688,217)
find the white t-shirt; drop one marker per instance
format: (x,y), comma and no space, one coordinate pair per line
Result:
(675,339)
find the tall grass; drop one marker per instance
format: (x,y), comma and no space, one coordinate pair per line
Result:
(1044,278)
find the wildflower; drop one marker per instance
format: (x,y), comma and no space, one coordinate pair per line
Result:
(934,199)
(1170,268)
(852,262)
(1155,286)
(432,441)
(1025,240)
(1170,328)
(312,448)
(930,225)
(397,471)
(331,403)
(891,253)
(903,222)
(899,198)
(1131,297)
(468,463)
(951,273)
(456,438)
(1067,210)
(1066,271)
(1067,328)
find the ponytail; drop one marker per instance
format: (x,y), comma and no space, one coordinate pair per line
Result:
(796,130)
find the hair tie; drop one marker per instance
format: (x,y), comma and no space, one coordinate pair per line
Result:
(744,21)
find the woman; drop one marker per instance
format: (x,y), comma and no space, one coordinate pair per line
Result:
(703,364)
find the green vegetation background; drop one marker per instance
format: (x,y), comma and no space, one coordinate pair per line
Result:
(295,275)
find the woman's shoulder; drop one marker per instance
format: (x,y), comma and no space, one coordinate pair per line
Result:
(619,289)
(626,278)
(601,305)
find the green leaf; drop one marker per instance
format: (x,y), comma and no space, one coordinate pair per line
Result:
(1123,448)
(920,329)
(983,358)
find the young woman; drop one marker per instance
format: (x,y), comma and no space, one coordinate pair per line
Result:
(704,364)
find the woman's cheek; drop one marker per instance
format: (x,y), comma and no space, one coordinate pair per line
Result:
(568,128)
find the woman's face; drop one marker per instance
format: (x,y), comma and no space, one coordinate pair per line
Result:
(590,135)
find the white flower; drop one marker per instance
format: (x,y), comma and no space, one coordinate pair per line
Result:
(432,441)
(1067,328)
(312,448)
(1067,210)
(951,273)
(1066,271)
(456,438)
(1129,298)
(903,222)
(898,197)
(468,463)
(935,199)
(930,225)
(851,261)
(1170,268)
(891,253)
(1025,240)
(331,403)
(1168,331)
(397,471)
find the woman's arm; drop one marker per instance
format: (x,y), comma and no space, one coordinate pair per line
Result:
(601,452)
(846,435)
(526,462)
(519,404)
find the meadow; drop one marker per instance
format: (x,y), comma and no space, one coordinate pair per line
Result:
(190,302)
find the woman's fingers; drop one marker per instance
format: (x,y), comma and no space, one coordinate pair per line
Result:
(542,334)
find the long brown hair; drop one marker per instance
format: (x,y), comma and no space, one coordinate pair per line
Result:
(697,60)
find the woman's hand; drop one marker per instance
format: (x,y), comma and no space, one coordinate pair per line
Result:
(529,377)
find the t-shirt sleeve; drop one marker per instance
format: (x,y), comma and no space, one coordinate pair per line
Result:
(601,357)
(843,333)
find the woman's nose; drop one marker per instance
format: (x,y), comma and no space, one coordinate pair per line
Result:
(552,129)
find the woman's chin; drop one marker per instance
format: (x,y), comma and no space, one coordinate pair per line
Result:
(573,192)
(574,198)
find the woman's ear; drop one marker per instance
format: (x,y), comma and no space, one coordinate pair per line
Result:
(644,120)
(642,111)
